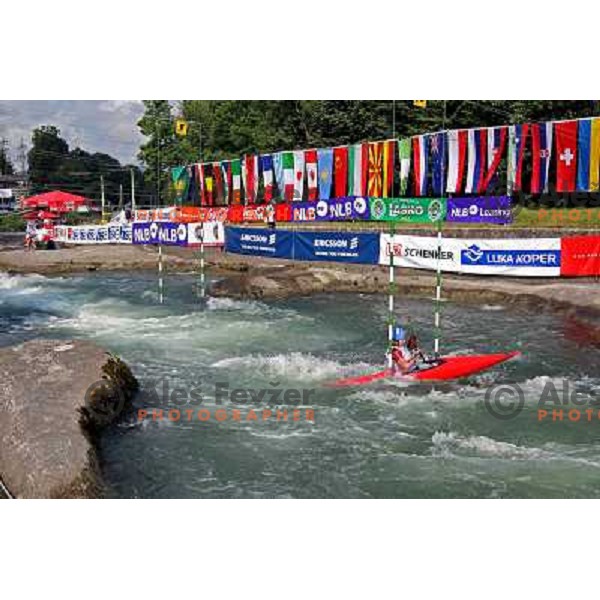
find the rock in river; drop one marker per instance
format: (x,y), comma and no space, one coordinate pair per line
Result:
(55,396)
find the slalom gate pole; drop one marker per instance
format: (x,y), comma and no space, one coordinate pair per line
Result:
(160,276)
(202,275)
(438,291)
(438,275)
(391,293)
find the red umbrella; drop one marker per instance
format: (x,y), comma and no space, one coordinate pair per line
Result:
(44,214)
(58,201)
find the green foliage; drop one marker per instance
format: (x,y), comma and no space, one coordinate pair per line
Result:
(6,167)
(52,166)
(12,222)
(228,129)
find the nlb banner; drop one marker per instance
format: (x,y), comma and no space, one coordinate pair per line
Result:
(537,257)
(334,209)
(259,242)
(483,209)
(166,233)
(580,256)
(408,210)
(335,246)
(211,234)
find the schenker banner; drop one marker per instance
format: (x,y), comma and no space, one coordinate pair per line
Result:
(408,210)
(165,233)
(580,256)
(334,209)
(419,252)
(484,209)
(537,257)
(334,246)
(259,242)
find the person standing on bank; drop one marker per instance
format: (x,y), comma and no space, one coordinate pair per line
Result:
(270,215)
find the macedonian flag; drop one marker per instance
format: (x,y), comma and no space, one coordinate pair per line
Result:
(375,171)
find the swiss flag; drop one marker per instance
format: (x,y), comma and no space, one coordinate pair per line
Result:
(566,155)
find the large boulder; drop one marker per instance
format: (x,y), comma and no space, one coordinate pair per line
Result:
(55,396)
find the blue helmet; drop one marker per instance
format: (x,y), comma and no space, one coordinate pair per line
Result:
(398,333)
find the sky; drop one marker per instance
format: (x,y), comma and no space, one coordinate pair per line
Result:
(108,126)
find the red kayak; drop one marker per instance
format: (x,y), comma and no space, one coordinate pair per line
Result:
(447,367)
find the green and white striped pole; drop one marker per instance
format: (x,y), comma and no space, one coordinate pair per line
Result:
(391,293)
(438,291)
(160,275)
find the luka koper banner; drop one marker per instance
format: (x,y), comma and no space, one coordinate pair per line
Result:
(408,210)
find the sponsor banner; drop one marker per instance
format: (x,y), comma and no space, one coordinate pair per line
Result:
(246,214)
(166,233)
(419,252)
(114,234)
(408,210)
(213,214)
(484,209)
(335,209)
(580,256)
(62,233)
(283,212)
(259,242)
(514,257)
(212,234)
(536,257)
(154,214)
(126,234)
(335,246)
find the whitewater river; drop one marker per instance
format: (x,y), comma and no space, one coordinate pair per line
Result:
(386,440)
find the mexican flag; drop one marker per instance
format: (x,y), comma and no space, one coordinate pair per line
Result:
(236,181)
(357,169)
(287,159)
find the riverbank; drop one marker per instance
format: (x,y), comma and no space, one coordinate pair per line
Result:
(253,277)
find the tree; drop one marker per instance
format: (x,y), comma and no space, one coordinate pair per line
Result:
(6,167)
(53,166)
(163,149)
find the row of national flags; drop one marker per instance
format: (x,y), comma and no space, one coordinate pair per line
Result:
(465,161)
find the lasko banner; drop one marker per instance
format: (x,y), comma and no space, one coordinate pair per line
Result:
(335,209)
(408,210)
(580,256)
(535,257)
(484,209)
(419,252)
(212,234)
(259,242)
(166,233)
(334,246)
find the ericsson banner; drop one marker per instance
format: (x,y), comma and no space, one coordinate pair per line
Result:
(259,242)
(309,245)
(334,246)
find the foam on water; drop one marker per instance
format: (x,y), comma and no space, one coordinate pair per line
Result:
(295,365)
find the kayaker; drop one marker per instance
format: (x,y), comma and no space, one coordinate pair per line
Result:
(402,361)
(412,344)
